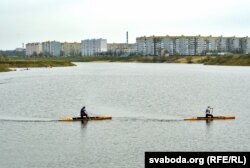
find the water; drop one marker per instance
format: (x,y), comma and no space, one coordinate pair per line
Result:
(147,101)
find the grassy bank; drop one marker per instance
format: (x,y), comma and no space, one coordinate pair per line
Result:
(6,64)
(4,68)
(227,60)
(142,59)
(236,60)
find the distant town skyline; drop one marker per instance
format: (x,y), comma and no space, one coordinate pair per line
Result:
(75,20)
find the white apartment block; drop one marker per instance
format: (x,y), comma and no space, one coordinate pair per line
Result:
(132,48)
(246,45)
(117,47)
(33,49)
(70,49)
(141,45)
(151,45)
(234,44)
(121,49)
(169,45)
(223,44)
(191,45)
(93,47)
(51,48)
(212,44)
(181,46)
(192,42)
(201,46)
(185,46)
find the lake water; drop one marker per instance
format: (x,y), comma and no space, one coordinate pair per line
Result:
(148,103)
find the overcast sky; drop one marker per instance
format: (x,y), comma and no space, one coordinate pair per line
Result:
(23,21)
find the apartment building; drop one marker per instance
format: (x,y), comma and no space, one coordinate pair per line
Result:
(169,45)
(121,49)
(132,49)
(201,46)
(183,46)
(93,47)
(70,49)
(152,45)
(51,48)
(246,45)
(141,45)
(212,44)
(33,49)
(117,48)
(223,44)
(191,45)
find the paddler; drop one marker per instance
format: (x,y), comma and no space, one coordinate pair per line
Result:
(83,112)
(209,112)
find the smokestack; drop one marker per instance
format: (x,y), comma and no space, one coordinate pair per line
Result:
(127,36)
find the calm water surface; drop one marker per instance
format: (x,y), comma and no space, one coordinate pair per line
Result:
(147,101)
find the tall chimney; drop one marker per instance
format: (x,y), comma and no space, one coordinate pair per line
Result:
(127,37)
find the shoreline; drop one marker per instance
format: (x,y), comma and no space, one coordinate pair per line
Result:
(235,60)
(8,64)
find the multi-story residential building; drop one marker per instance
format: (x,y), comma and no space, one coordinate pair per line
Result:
(33,49)
(169,45)
(201,45)
(182,46)
(132,49)
(51,48)
(185,45)
(234,45)
(162,45)
(70,49)
(212,44)
(246,45)
(223,44)
(93,47)
(141,45)
(20,49)
(121,49)
(191,45)
(152,45)
(117,48)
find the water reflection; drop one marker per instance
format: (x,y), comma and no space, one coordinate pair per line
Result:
(84,123)
(209,122)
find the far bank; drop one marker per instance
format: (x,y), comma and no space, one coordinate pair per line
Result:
(7,63)
(10,62)
(235,60)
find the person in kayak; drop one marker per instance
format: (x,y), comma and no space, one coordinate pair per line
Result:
(209,112)
(83,112)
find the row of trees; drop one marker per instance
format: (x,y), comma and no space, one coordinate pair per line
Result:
(11,53)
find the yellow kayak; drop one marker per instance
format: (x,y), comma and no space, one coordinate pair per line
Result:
(85,119)
(210,118)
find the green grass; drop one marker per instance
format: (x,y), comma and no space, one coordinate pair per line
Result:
(143,59)
(236,60)
(240,60)
(4,68)
(6,64)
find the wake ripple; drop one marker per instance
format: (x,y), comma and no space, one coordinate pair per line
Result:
(148,119)
(27,120)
